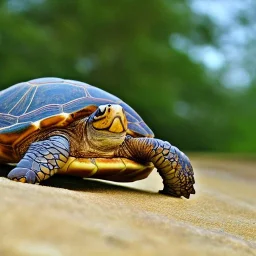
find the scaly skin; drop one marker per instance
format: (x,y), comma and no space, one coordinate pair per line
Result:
(105,132)
(173,165)
(42,160)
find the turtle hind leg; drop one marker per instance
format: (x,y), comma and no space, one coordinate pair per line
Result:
(42,160)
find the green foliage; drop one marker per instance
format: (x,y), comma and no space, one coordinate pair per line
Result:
(124,47)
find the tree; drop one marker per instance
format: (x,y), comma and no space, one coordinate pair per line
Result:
(124,47)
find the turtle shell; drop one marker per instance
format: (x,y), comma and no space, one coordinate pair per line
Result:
(23,104)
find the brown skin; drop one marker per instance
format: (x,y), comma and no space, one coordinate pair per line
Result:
(89,137)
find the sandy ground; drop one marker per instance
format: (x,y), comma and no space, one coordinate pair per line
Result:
(71,216)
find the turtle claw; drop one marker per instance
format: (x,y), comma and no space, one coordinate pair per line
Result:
(185,193)
(169,192)
(23,175)
(31,177)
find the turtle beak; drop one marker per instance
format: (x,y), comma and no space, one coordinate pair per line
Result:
(119,123)
(110,117)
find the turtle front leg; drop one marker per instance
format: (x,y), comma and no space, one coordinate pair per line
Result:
(42,160)
(173,165)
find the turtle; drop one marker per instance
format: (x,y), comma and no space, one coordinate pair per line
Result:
(52,125)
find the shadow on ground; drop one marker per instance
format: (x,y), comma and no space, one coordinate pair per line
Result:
(78,183)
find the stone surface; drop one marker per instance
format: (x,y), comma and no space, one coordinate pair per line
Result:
(71,216)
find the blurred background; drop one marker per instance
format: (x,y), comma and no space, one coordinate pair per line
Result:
(187,66)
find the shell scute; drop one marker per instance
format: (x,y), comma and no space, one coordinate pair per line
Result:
(51,121)
(9,98)
(15,132)
(23,104)
(100,94)
(7,120)
(131,111)
(45,80)
(82,102)
(136,127)
(115,169)
(77,83)
(55,93)
(146,128)
(40,113)
(130,118)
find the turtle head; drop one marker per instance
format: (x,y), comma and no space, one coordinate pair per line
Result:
(110,118)
(107,126)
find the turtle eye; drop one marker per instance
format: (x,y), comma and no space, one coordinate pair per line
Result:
(100,111)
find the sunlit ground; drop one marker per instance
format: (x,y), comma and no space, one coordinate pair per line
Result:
(90,216)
